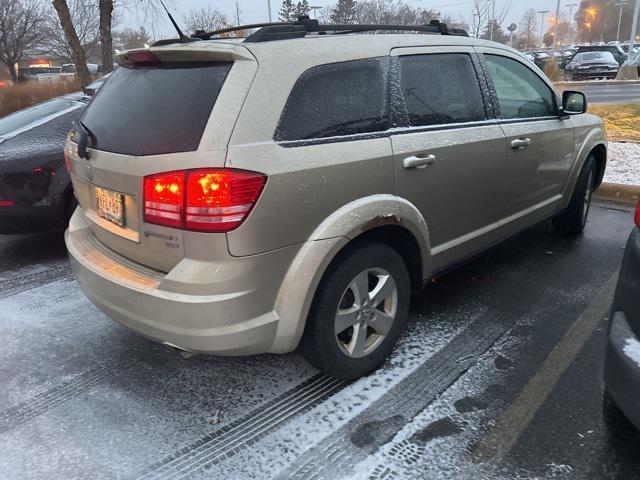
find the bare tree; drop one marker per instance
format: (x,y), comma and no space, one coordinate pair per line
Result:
(528,28)
(85,22)
(20,30)
(105,9)
(483,13)
(205,18)
(394,12)
(132,38)
(77,54)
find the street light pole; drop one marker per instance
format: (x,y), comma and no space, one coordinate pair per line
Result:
(542,14)
(555,24)
(634,26)
(492,23)
(269,8)
(570,5)
(621,5)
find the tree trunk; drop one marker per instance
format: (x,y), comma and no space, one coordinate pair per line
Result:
(12,72)
(106,39)
(77,54)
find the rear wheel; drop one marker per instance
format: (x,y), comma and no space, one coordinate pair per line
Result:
(573,220)
(358,311)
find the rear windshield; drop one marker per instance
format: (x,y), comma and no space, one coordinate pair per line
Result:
(155,110)
(588,56)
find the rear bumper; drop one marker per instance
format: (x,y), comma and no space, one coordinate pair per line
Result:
(180,308)
(622,369)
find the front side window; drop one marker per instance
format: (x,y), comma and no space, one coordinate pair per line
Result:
(337,99)
(440,89)
(521,93)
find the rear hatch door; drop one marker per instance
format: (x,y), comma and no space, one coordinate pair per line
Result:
(164,109)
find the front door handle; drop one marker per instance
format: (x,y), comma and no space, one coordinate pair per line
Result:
(419,161)
(520,143)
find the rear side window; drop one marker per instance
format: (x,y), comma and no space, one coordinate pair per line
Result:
(440,89)
(337,99)
(155,110)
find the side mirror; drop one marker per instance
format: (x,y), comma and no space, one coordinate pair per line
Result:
(573,103)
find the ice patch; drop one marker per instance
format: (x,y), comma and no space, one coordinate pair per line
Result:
(632,350)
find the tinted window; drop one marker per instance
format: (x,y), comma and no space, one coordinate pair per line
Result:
(149,111)
(440,89)
(521,93)
(33,115)
(337,99)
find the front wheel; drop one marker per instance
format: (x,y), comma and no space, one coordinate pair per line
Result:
(574,218)
(358,311)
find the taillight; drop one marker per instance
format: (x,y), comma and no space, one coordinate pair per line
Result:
(7,203)
(207,200)
(142,58)
(637,219)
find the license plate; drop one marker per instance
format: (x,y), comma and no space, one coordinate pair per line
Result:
(110,205)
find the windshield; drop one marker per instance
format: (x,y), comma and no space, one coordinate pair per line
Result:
(149,111)
(31,116)
(69,68)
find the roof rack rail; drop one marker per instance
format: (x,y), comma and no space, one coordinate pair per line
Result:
(298,29)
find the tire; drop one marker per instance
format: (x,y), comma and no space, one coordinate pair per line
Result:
(617,424)
(355,351)
(574,218)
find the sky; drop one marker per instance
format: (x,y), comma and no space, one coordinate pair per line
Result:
(255,11)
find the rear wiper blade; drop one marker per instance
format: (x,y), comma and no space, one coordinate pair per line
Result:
(84,135)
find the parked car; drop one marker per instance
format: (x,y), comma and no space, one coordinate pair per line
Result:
(539,58)
(93,87)
(615,50)
(35,188)
(622,367)
(261,199)
(26,74)
(69,70)
(588,65)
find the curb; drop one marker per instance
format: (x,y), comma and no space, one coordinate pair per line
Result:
(618,192)
(599,83)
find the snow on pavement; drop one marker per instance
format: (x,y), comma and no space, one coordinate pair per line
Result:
(623,164)
(632,350)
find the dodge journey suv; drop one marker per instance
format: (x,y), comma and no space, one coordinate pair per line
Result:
(289,190)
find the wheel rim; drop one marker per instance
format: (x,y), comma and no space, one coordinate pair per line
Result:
(587,198)
(366,312)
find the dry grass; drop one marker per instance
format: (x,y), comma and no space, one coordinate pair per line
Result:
(623,121)
(16,97)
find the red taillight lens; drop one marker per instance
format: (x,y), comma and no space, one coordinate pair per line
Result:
(637,219)
(7,203)
(142,58)
(164,199)
(211,200)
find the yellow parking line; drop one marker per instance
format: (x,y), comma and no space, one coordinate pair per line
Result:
(515,419)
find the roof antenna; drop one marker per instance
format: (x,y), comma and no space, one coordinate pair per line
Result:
(175,25)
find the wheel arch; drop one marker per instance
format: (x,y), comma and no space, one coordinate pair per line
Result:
(385,218)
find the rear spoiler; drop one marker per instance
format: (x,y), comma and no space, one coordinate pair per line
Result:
(185,52)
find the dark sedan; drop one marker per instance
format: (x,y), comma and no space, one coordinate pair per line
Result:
(35,188)
(587,65)
(622,369)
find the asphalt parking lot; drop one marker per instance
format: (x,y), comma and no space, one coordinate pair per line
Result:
(499,375)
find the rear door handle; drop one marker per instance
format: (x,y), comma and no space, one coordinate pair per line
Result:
(520,143)
(419,161)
